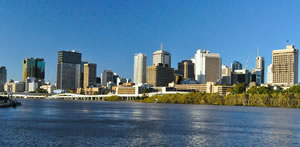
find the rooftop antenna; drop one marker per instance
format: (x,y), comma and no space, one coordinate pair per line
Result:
(247,63)
(287,42)
(162,46)
(257,51)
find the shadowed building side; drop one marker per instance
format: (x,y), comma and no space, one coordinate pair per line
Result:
(90,71)
(68,70)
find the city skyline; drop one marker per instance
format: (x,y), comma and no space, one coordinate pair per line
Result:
(22,39)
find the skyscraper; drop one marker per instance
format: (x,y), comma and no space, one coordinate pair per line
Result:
(285,66)
(82,73)
(207,67)
(107,76)
(186,69)
(140,68)
(236,65)
(68,70)
(90,71)
(3,77)
(260,67)
(162,57)
(160,73)
(33,67)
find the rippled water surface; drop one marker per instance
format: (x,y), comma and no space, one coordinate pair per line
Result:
(78,123)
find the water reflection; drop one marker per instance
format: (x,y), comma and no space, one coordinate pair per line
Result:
(75,123)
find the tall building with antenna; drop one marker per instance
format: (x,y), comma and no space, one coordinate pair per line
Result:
(160,73)
(162,57)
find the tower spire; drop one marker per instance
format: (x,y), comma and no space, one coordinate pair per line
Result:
(257,51)
(162,46)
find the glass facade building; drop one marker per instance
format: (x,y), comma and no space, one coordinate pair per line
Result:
(34,67)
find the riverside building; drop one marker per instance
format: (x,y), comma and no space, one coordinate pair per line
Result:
(285,66)
(68,70)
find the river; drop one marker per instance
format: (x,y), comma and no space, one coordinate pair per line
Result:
(91,123)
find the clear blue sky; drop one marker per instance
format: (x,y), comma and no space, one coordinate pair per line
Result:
(109,33)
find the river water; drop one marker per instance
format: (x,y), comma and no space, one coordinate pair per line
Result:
(87,123)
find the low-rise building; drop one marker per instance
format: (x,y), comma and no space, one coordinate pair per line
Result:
(126,90)
(92,91)
(209,87)
(49,88)
(14,86)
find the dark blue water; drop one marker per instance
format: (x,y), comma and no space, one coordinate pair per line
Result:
(77,123)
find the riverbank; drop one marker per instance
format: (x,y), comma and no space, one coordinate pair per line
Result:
(283,100)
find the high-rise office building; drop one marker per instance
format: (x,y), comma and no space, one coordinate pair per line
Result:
(260,67)
(90,71)
(68,70)
(270,74)
(207,67)
(33,67)
(82,73)
(3,77)
(140,68)
(160,73)
(107,76)
(160,76)
(186,69)
(236,65)
(285,66)
(161,57)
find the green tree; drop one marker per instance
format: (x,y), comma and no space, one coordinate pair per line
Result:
(238,88)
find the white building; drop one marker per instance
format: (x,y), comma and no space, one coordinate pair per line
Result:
(207,67)
(260,66)
(49,88)
(270,74)
(162,57)
(31,84)
(140,68)
(226,75)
